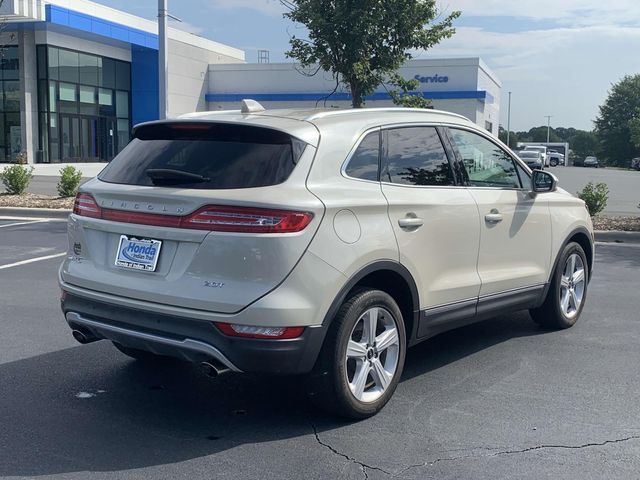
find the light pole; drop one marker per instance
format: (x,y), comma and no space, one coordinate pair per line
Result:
(548,117)
(162,58)
(509,121)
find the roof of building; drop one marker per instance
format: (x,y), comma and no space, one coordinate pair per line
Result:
(84,12)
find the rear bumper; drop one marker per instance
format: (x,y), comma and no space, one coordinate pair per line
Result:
(191,339)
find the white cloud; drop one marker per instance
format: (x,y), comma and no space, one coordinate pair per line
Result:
(564,72)
(268,7)
(569,12)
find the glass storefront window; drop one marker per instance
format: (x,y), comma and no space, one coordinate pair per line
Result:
(68,68)
(84,106)
(88,69)
(53,64)
(88,105)
(108,79)
(10,64)
(87,94)
(123,76)
(122,104)
(68,98)
(13,135)
(105,97)
(11,96)
(67,92)
(53,97)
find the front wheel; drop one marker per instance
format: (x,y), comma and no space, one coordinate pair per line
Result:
(363,356)
(567,292)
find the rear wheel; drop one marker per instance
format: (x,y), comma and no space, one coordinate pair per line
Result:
(567,292)
(363,356)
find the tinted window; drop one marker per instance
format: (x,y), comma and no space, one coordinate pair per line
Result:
(364,161)
(415,156)
(486,163)
(223,156)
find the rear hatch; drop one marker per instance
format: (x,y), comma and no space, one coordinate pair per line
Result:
(202,215)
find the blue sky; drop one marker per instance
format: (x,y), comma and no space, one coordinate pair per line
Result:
(558,57)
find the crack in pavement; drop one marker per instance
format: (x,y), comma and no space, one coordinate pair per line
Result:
(363,466)
(515,452)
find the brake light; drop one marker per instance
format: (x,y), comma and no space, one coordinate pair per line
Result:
(246,331)
(248,220)
(211,218)
(86,206)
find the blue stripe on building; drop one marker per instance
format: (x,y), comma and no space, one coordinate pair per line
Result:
(80,21)
(306,97)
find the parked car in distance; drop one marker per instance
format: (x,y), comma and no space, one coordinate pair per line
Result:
(555,158)
(542,149)
(532,158)
(239,241)
(591,162)
(635,163)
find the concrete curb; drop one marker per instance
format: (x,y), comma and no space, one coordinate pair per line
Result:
(616,236)
(34,212)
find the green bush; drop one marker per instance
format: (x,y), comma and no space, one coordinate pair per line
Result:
(16,178)
(69,182)
(595,196)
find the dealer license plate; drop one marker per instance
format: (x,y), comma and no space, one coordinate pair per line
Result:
(138,253)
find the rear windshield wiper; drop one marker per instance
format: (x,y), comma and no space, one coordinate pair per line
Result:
(168,176)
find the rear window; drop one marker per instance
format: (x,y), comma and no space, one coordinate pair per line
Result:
(528,154)
(205,156)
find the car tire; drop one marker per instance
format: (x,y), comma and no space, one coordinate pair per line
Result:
(567,292)
(141,355)
(354,376)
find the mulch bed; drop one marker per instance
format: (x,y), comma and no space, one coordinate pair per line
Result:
(627,224)
(30,200)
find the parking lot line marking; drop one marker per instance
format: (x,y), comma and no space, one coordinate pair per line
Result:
(15,224)
(31,260)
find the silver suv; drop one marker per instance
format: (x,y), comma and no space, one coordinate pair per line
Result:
(315,242)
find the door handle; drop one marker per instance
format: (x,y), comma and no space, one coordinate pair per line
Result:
(410,222)
(493,217)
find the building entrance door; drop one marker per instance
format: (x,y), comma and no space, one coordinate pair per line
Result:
(107,131)
(71,151)
(87,138)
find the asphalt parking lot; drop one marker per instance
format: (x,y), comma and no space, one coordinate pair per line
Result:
(624,185)
(499,399)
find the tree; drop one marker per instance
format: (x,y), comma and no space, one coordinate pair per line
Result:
(514,138)
(407,96)
(361,42)
(617,125)
(584,143)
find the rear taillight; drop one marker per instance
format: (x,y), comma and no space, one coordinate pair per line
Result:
(86,206)
(248,220)
(213,218)
(246,331)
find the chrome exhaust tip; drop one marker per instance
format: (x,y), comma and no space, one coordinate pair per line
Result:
(214,369)
(82,337)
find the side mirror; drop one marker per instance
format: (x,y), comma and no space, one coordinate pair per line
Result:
(542,182)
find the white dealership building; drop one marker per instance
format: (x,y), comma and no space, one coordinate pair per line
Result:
(462,85)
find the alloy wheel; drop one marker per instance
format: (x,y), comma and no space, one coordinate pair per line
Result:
(572,283)
(372,354)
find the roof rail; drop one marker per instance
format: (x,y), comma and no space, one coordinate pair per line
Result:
(355,111)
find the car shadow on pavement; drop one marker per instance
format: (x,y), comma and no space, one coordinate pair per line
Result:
(88,408)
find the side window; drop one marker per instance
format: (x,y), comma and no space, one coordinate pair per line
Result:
(365,160)
(415,156)
(487,164)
